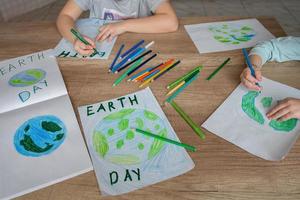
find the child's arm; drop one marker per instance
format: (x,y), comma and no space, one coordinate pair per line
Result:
(65,21)
(280,50)
(164,20)
(286,109)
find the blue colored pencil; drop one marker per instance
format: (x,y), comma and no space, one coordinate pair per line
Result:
(150,75)
(127,58)
(132,48)
(117,57)
(249,64)
(172,66)
(140,73)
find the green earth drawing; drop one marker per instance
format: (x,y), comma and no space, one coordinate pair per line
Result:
(232,34)
(249,107)
(27,78)
(113,139)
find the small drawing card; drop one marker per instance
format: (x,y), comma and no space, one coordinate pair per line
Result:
(90,28)
(124,160)
(241,120)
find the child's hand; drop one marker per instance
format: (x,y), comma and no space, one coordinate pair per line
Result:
(286,109)
(109,31)
(249,81)
(84,49)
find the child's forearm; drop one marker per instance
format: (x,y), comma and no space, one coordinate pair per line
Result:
(159,23)
(256,61)
(64,24)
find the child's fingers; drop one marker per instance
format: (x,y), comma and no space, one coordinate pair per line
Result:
(277,108)
(286,117)
(279,113)
(258,75)
(101,34)
(249,77)
(249,84)
(92,43)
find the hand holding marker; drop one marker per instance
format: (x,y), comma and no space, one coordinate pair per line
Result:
(250,65)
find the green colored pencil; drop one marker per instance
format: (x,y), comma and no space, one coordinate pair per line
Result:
(186,146)
(188,120)
(176,82)
(79,37)
(123,76)
(218,69)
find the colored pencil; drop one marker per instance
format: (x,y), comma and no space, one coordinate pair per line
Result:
(141,50)
(119,80)
(175,94)
(180,79)
(142,64)
(171,67)
(154,71)
(175,88)
(160,71)
(117,57)
(149,76)
(186,146)
(135,46)
(137,58)
(218,69)
(140,73)
(188,120)
(124,60)
(79,37)
(249,64)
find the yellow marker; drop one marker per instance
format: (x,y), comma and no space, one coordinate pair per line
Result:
(153,77)
(175,88)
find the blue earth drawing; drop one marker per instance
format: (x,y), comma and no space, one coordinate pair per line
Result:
(27,78)
(232,34)
(40,136)
(115,141)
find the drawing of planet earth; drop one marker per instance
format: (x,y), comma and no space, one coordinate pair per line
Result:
(232,34)
(251,110)
(40,136)
(27,78)
(113,139)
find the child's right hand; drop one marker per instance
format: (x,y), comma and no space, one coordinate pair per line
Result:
(84,49)
(249,81)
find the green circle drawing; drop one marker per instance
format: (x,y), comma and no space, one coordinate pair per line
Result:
(232,34)
(249,107)
(27,78)
(113,139)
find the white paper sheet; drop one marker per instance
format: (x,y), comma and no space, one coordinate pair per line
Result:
(227,35)
(123,160)
(40,140)
(88,27)
(241,120)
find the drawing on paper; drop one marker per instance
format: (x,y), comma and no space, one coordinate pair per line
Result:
(249,107)
(27,78)
(232,34)
(40,136)
(113,139)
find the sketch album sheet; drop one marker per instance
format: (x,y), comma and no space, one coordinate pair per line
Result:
(241,120)
(123,159)
(40,140)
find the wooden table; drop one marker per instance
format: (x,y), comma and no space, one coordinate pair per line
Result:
(222,171)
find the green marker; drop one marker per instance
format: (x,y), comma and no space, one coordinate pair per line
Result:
(218,69)
(186,146)
(119,80)
(79,37)
(188,120)
(176,82)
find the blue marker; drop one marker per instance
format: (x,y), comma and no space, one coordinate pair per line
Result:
(249,64)
(117,57)
(134,47)
(127,58)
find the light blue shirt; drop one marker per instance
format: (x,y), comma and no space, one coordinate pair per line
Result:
(279,49)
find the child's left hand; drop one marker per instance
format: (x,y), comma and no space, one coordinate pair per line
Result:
(109,31)
(286,109)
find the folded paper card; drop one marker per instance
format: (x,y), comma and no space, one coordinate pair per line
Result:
(123,159)
(242,120)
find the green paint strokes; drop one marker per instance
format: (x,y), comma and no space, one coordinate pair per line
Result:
(26,129)
(120,114)
(50,126)
(29,145)
(35,73)
(157,145)
(141,146)
(124,159)
(129,135)
(157,126)
(59,137)
(248,106)
(139,123)
(100,143)
(150,115)
(110,131)
(286,126)
(266,102)
(123,124)
(120,144)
